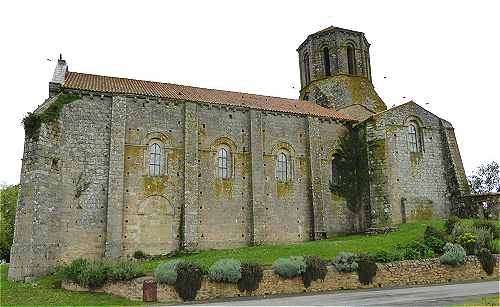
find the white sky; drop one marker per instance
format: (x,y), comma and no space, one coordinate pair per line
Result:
(445,53)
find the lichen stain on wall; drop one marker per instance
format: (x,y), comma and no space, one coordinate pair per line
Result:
(422,212)
(284,189)
(155,185)
(224,188)
(134,158)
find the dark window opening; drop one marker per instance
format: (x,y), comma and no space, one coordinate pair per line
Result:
(326,58)
(307,73)
(351,60)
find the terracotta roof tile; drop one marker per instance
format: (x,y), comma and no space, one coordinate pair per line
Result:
(114,85)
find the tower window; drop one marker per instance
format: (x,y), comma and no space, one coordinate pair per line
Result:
(282,167)
(154,159)
(222,163)
(351,60)
(326,60)
(335,173)
(413,137)
(307,72)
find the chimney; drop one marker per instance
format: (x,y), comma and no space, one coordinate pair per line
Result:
(58,78)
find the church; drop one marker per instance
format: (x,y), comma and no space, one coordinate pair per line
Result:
(112,165)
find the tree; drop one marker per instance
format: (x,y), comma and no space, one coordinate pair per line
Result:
(351,182)
(485,179)
(8,199)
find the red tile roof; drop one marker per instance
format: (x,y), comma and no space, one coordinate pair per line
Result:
(113,85)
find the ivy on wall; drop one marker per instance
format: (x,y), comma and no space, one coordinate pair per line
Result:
(33,121)
(351,180)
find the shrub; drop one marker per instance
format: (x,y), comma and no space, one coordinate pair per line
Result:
(458,230)
(435,243)
(225,270)
(416,250)
(383,256)
(251,276)
(124,270)
(494,246)
(94,275)
(454,255)
(188,280)
(166,272)
(483,237)
(491,225)
(346,262)
(289,267)
(367,269)
(315,270)
(450,224)
(433,232)
(139,255)
(468,241)
(73,270)
(487,260)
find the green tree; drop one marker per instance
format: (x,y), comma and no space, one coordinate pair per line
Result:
(351,180)
(8,199)
(486,178)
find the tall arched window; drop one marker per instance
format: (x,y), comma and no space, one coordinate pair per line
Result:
(326,60)
(413,137)
(307,72)
(335,173)
(282,167)
(351,60)
(222,163)
(154,159)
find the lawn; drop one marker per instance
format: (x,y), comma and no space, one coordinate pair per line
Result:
(326,249)
(45,291)
(491,300)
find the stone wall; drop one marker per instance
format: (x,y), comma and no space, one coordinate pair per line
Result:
(397,274)
(407,185)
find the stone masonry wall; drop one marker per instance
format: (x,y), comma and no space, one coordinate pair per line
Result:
(406,185)
(397,274)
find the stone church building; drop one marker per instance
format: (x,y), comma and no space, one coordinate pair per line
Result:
(130,165)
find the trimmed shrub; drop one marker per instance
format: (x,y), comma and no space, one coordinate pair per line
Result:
(468,241)
(73,270)
(251,276)
(346,262)
(188,280)
(289,267)
(367,269)
(315,270)
(166,272)
(124,270)
(483,237)
(454,255)
(383,256)
(450,224)
(494,246)
(487,260)
(225,270)
(139,255)
(491,225)
(94,275)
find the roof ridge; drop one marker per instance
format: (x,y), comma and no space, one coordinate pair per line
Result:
(190,86)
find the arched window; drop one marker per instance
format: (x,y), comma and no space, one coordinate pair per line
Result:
(326,60)
(351,60)
(154,159)
(307,72)
(223,163)
(335,173)
(282,167)
(413,137)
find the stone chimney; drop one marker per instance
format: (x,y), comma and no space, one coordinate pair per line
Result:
(57,81)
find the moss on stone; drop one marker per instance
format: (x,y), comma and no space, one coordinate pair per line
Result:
(224,188)
(423,212)
(136,158)
(283,189)
(154,185)
(415,158)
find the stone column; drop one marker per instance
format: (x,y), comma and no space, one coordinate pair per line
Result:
(191,170)
(114,221)
(318,212)
(257,209)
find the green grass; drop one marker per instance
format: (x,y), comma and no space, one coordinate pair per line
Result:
(491,300)
(326,249)
(46,292)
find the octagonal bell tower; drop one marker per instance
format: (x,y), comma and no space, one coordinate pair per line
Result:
(335,72)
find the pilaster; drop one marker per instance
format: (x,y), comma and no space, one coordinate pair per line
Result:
(257,203)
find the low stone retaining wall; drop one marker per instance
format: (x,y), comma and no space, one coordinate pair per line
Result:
(395,274)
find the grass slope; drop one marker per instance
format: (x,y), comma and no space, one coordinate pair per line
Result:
(44,292)
(326,249)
